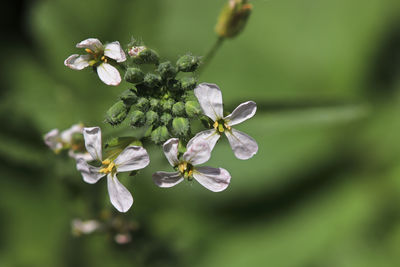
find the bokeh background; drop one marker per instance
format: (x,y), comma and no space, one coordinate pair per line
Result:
(323,190)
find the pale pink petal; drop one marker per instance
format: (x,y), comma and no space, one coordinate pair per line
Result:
(114,50)
(89,173)
(243,112)
(243,146)
(214,179)
(120,197)
(197,153)
(132,158)
(66,136)
(170,148)
(210,136)
(77,62)
(108,74)
(92,43)
(210,98)
(167,179)
(52,140)
(92,138)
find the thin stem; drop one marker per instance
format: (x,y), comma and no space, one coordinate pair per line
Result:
(211,53)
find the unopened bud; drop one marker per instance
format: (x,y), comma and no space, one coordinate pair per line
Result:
(151,80)
(117,113)
(188,63)
(134,51)
(192,108)
(167,104)
(137,118)
(142,103)
(134,75)
(178,108)
(166,118)
(160,134)
(129,97)
(166,70)
(144,55)
(180,126)
(174,85)
(233,18)
(151,117)
(188,83)
(154,103)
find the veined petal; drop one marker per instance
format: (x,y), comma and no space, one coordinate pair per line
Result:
(167,179)
(120,197)
(89,173)
(214,179)
(113,50)
(170,148)
(210,99)
(76,155)
(92,138)
(108,74)
(210,136)
(92,43)
(197,153)
(132,158)
(77,62)
(243,112)
(51,140)
(66,136)
(243,146)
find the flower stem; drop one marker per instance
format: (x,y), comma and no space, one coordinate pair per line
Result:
(211,53)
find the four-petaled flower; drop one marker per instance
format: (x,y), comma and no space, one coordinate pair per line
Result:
(98,56)
(210,99)
(214,179)
(130,159)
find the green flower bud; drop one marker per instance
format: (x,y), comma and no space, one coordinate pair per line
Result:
(129,97)
(151,117)
(180,126)
(117,113)
(151,80)
(137,118)
(166,70)
(233,18)
(145,56)
(142,103)
(154,103)
(178,108)
(188,63)
(134,75)
(166,118)
(160,134)
(167,104)
(188,83)
(192,108)
(174,85)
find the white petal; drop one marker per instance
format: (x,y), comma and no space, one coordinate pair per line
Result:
(108,74)
(120,197)
(197,153)
(210,99)
(92,138)
(85,156)
(167,179)
(214,179)
(132,158)
(51,139)
(170,148)
(66,136)
(243,146)
(92,43)
(210,136)
(77,62)
(243,112)
(113,50)
(89,173)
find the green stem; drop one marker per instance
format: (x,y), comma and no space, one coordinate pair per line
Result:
(211,53)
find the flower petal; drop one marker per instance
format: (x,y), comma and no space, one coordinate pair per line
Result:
(120,197)
(243,146)
(243,112)
(92,138)
(214,179)
(132,158)
(113,50)
(198,152)
(167,179)
(89,173)
(170,148)
(77,62)
(108,74)
(210,98)
(77,155)
(51,140)
(92,43)
(210,136)
(66,136)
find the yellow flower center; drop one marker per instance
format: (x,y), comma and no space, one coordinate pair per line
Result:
(109,166)
(186,169)
(221,126)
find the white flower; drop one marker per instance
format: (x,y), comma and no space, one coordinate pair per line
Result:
(214,179)
(84,227)
(98,56)
(130,159)
(210,99)
(65,140)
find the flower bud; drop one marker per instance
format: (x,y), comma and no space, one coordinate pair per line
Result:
(167,104)
(178,108)
(166,70)
(151,80)
(174,85)
(137,118)
(166,118)
(154,103)
(134,75)
(192,108)
(117,113)
(180,126)
(134,51)
(129,97)
(233,18)
(188,83)
(142,103)
(151,117)
(145,56)
(160,134)
(188,63)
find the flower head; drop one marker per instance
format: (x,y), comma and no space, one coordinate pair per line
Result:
(130,159)
(214,179)
(98,56)
(210,99)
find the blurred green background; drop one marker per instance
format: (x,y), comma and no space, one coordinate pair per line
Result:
(323,190)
